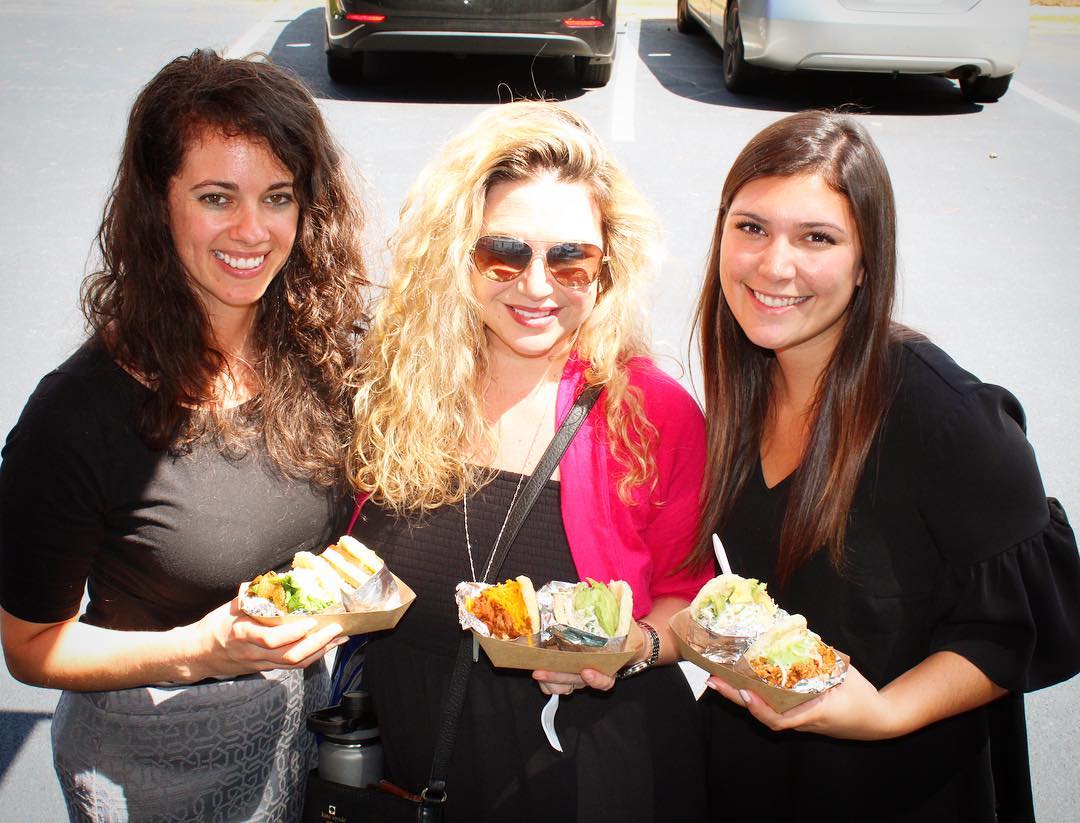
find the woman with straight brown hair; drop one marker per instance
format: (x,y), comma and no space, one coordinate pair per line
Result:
(882,491)
(194,441)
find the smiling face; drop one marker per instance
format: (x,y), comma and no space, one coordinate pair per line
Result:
(790,260)
(233,218)
(531,315)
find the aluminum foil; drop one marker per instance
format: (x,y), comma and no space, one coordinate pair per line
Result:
(463,592)
(566,637)
(466,590)
(726,646)
(721,648)
(749,621)
(378,592)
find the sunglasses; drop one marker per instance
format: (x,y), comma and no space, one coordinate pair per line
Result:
(573,265)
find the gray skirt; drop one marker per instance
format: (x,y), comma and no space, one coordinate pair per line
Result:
(220,751)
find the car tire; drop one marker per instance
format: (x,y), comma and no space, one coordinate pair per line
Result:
(683,21)
(345,69)
(739,76)
(984,89)
(592,75)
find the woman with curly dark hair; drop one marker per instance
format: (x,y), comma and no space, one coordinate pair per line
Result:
(195,440)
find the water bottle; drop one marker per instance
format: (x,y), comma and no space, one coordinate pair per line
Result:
(351,752)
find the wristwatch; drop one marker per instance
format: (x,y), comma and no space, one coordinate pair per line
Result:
(654,652)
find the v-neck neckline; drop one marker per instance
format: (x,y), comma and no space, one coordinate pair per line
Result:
(765,483)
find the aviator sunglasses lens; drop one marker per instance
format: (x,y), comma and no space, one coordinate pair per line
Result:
(574,265)
(501,258)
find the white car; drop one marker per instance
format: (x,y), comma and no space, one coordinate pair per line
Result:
(978,42)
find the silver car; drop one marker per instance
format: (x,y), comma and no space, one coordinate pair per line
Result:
(977,42)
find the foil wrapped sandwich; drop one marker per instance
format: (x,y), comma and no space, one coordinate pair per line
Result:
(589,615)
(505,611)
(727,614)
(345,577)
(790,656)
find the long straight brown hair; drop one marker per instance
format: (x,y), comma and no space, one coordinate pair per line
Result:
(859,382)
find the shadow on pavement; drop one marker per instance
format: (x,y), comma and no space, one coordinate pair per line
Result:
(422,78)
(690,66)
(15,727)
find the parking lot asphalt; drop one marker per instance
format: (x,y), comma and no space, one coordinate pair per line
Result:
(988,198)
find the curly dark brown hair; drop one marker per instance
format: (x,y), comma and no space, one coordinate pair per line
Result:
(140,302)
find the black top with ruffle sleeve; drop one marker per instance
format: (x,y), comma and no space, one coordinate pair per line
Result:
(951,545)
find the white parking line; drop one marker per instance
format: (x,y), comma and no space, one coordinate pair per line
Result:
(1046,102)
(247,42)
(626,62)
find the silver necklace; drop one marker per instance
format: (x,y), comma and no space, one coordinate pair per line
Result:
(513,499)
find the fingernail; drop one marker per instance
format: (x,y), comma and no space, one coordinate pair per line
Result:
(745,695)
(712,685)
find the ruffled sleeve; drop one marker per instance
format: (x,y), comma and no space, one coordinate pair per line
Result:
(1016,615)
(1010,598)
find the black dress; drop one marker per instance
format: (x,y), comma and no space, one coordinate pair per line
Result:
(947,549)
(635,753)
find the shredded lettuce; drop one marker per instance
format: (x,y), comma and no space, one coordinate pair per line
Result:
(301,597)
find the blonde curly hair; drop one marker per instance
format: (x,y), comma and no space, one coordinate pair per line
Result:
(419,404)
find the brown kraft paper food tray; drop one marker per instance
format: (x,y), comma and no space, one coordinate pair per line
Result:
(513,654)
(739,674)
(351,622)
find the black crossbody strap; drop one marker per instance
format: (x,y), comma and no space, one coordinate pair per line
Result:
(545,467)
(530,493)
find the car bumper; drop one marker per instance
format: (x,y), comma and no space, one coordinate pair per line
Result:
(472,42)
(845,36)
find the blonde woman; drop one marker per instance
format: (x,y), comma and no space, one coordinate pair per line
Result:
(514,286)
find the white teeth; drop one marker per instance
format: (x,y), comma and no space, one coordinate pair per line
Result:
(531,314)
(240,262)
(777,302)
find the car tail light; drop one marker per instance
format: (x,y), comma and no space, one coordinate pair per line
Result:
(583,23)
(365,18)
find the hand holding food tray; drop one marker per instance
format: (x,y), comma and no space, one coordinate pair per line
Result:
(733,630)
(565,627)
(347,584)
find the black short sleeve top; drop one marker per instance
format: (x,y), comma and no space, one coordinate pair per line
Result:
(950,542)
(158,540)
(951,546)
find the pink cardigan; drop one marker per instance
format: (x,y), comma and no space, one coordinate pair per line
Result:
(645,543)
